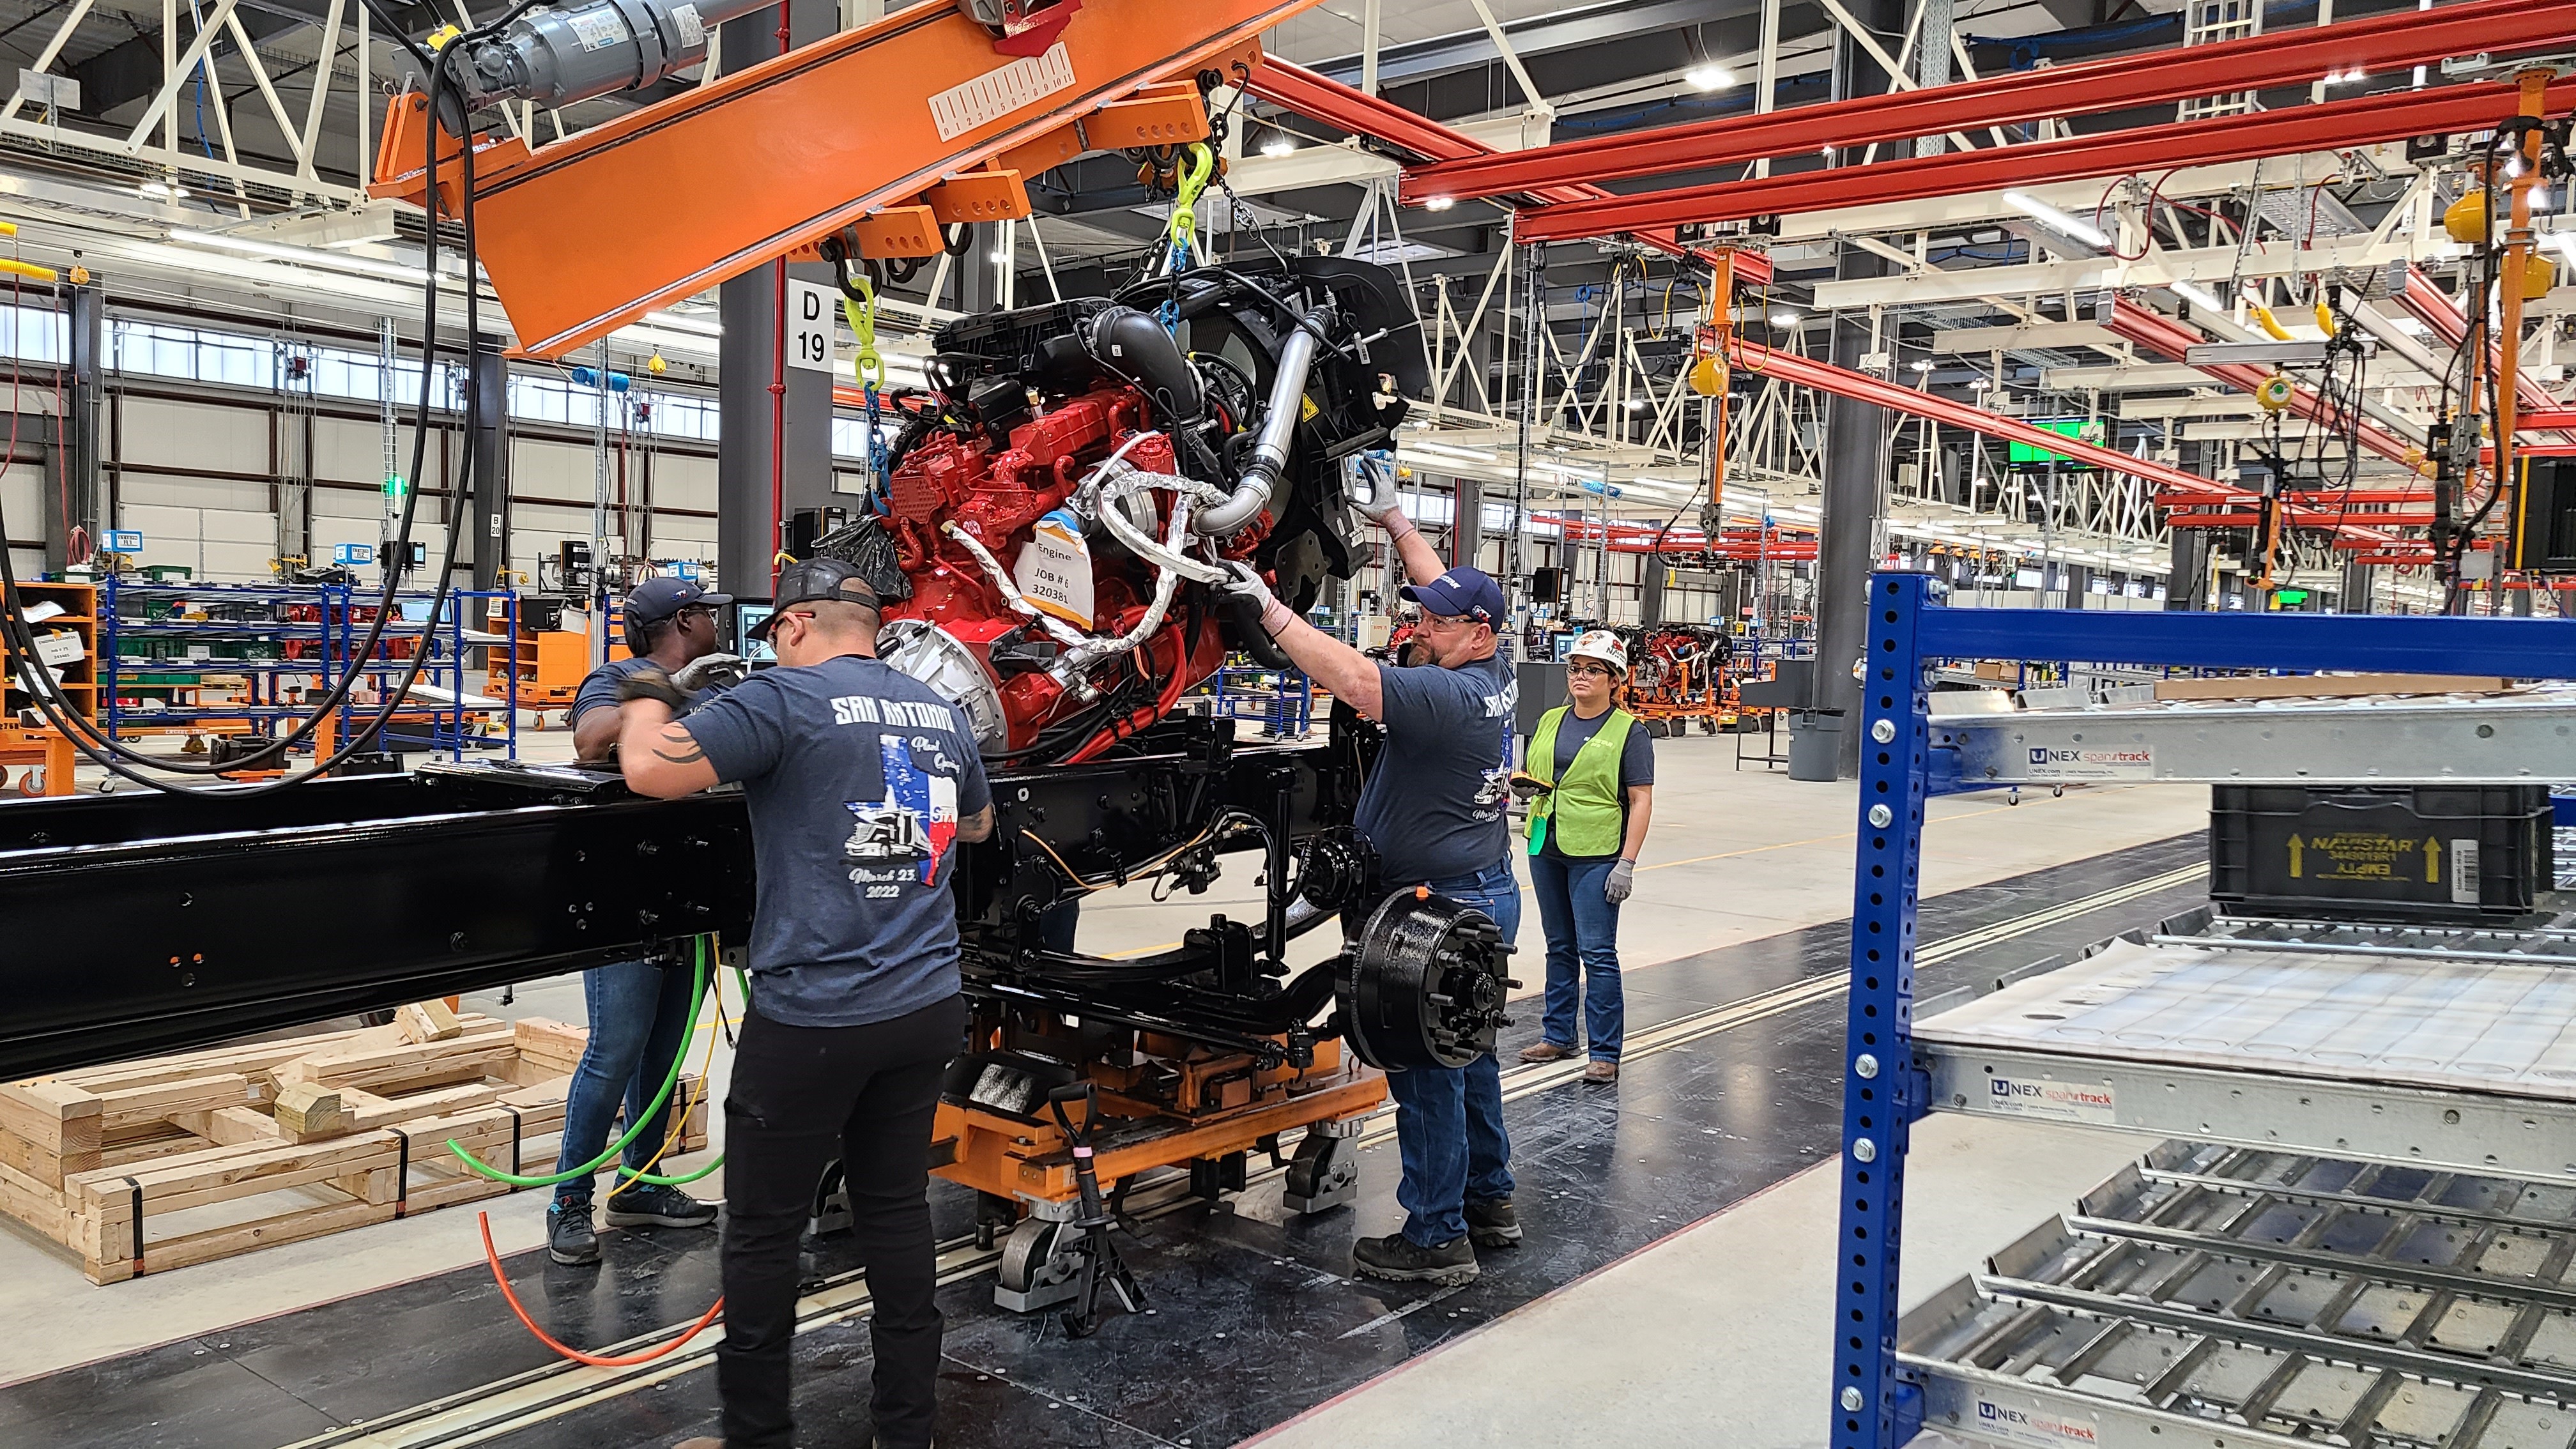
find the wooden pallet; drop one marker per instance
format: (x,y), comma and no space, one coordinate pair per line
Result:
(147,1166)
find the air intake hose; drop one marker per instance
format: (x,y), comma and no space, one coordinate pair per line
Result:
(1278,430)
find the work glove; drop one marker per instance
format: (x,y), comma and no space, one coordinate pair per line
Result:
(1623,879)
(650,682)
(712,671)
(1368,482)
(1248,591)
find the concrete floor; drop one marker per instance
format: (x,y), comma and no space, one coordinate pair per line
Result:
(1716,1328)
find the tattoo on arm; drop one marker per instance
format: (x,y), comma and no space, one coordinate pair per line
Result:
(682,750)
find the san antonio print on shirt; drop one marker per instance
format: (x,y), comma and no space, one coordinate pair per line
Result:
(914,824)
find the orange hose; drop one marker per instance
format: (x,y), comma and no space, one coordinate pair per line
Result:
(493,1257)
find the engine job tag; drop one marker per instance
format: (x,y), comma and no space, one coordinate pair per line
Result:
(1053,570)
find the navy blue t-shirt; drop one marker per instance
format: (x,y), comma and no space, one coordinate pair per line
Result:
(599,688)
(1433,806)
(857,775)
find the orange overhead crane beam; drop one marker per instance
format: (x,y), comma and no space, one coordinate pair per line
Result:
(586,234)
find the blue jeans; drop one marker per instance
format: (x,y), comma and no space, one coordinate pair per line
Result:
(1582,952)
(637,1013)
(1449,1121)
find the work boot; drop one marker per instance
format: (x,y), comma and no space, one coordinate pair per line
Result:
(650,1204)
(1546,1051)
(1598,1074)
(1493,1224)
(570,1239)
(1399,1259)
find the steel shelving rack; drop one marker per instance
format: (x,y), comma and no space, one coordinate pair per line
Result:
(283,632)
(2094,1329)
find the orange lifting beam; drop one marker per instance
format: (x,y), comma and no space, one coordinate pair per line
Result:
(586,234)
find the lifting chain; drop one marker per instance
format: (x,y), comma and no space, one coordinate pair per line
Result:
(859,307)
(1198,167)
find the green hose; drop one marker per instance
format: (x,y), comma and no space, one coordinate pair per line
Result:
(635,1129)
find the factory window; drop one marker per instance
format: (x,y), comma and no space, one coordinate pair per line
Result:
(683,417)
(192,353)
(34,334)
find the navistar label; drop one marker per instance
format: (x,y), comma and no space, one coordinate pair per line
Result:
(2137,762)
(2035,1426)
(2052,1101)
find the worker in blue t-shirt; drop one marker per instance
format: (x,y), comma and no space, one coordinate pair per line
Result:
(637,1010)
(861,785)
(1433,809)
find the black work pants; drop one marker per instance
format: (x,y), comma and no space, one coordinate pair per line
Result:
(799,1095)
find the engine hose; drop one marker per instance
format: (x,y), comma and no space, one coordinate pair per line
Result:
(633,1130)
(492,1257)
(1245,617)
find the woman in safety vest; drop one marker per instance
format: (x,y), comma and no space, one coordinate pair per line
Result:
(1593,767)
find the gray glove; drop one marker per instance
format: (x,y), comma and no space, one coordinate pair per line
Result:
(1369,483)
(712,671)
(1248,588)
(1623,879)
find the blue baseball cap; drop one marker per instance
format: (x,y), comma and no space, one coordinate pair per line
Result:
(1460,594)
(657,599)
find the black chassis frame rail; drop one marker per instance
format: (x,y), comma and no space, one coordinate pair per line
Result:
(145,923)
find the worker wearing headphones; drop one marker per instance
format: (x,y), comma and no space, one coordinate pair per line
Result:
(637,1009)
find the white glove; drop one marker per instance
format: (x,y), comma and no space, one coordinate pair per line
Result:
(711,670)
(1623,879)
(1248,586)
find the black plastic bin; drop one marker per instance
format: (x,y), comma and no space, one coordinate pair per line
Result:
(2381,852)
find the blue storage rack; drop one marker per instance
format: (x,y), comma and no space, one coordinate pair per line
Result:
(1906,757)
(337,630)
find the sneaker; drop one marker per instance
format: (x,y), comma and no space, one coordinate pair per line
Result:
(1546,1051)
(1399,1259)
(1599,1074)
(1493,1224)
(649,1204)
(570,1239)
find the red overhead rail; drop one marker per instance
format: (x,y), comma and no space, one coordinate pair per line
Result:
(2424,300)
(1324,99)
(2165,336)
(1861,387)
(2334,126)
(2285,57)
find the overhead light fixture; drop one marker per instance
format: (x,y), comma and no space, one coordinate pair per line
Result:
(680,322)
(1451,449)
(162,190)
(2058,221)
(1710,77)
(1440,203)
(1825,151)
(2197,296)
(1636,405)
(302,256)
(1784,317)
(1279,146)
(1924,366)
(999,255)
(1978,384)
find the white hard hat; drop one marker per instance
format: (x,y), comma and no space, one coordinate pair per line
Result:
(1600,644)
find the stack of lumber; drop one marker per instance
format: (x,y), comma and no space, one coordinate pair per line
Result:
(147,1166)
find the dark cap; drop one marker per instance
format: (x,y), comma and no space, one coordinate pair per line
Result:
(815,581)
(1461,594)
(655,600)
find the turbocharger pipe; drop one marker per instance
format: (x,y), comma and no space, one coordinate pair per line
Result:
(1278,433)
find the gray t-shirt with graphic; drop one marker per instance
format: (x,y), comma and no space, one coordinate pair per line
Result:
(1433,806)
(856,775)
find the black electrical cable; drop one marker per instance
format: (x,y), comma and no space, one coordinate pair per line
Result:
(103,749)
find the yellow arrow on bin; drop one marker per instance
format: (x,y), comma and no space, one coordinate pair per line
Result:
(2295,846)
